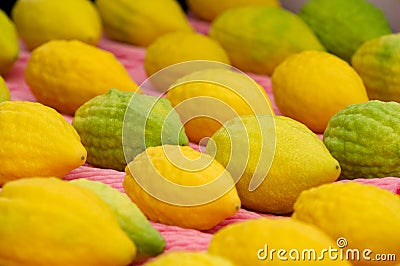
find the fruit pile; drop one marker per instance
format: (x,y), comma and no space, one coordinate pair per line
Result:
(238,133)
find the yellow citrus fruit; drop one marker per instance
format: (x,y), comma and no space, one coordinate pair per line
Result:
(70,225)
(9,48)
(4,92)
(365,217)
(266,241)
(258,38)
(179,47)
(378,63)
(140,22)
(206,99)
(209,9)
(36,141)
(298,160)
(40,21)
(66,74)
(197,192)
(189,258)
(312,86)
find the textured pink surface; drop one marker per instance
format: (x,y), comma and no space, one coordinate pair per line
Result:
(132,58)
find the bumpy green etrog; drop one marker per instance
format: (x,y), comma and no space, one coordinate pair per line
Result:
(365,139)
(116,126)
(148,241)
(343,25)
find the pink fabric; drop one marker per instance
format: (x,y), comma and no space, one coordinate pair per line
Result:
(132,58)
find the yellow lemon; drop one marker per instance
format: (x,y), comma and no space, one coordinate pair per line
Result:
(36,141)
(267,241)
(66,74)
(179,47)
(363,217)
(189,258)
(312,86)
(209,9)
(9,48)
(281,156)
(140,22)
(206,99)
(197,192)
(4,92)
(40,21)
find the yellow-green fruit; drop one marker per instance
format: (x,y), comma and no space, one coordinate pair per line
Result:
(9,48)
(343,25)
(248,145)
(4,92)
(189,258)
(365,216)
(365,139)
(306,89)
(47,221)
(378,63)
(40,21)
(281,241)
(197,192)
(148,241)
(36,141)
(177,47)
(266,37)
(140,22)
(66,74)
(209,9)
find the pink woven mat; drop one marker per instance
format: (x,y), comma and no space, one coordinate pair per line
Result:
(132,58)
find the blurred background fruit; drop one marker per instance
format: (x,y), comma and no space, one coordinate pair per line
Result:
(208,10)
(4,92)
(43,20)
(378,63)
(9,47)
(140,22)
(365,139)
(342,34)
(177,47)
(66,74)
(307,89)
(36,141)
(266,37)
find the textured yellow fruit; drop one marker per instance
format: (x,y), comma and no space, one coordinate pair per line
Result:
(300,160)
(9,48)
(367,217)
(177,47)
(312,86)
(189,258)
(206,99)
(209,9)
(258,242)
(36,141)
(140,22)
(66,74)
(197,192)
(40,21)
(47,221)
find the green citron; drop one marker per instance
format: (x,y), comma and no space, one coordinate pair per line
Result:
(148,241)
(266,37)
(116,126)
(378,63)
(343,25)
(365,139)
(9,48)
(4,92)
(287,156)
